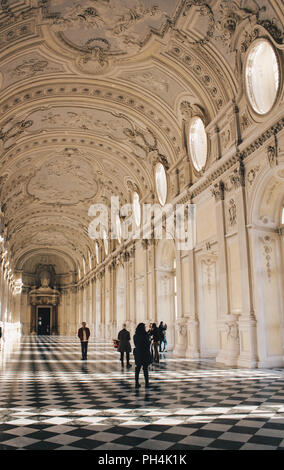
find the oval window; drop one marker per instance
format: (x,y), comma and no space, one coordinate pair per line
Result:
(161,183)
(262,76)
(197,139)
(136,208)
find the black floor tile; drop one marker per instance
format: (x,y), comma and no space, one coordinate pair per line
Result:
(39,387)
(268,441)
(226,445)
(43,445)
(87,444)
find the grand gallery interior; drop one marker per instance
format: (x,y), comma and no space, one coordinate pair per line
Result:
(151,102)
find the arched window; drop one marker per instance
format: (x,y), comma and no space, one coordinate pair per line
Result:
(197,143)
(282,216)
(262,76)
(161,183)
(90,261)
(136,208)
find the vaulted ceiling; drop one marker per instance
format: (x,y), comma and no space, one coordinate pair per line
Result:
(90,96)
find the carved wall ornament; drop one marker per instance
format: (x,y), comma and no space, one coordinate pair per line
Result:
(182,329)
(232,330)
(233,13)
(273,29)
(232,212)
(244,122)
(208,271)
(218,191)
(252,174)
(226,138)
(271,152)
(237,178)
(267,253)
(189,110)
(248,38)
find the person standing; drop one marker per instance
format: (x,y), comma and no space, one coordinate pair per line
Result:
(124,345)
(149,333)
(162,333)
(84,334)
(156,342)
(142,353)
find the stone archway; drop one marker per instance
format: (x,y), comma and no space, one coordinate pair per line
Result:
(167,288)
(268,256)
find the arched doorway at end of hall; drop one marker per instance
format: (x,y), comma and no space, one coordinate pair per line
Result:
(167,288)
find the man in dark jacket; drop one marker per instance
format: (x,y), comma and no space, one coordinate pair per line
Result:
(162,333)
(142,353)
(124,345)
(84,334)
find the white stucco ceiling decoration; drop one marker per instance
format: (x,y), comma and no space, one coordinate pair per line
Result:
(110,27)
(64,179)
(105,79)
(101,122)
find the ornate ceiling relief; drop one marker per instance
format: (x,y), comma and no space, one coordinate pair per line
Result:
(27,66)
(114,26)
(91,100)
(98,121)
(156,81)
(102,31)
(13,129)
(64,179)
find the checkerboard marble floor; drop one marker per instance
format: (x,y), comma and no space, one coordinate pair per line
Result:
(50,399)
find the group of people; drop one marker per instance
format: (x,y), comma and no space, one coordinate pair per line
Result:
(147,344)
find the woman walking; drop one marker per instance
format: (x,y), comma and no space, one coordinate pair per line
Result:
(142,353)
